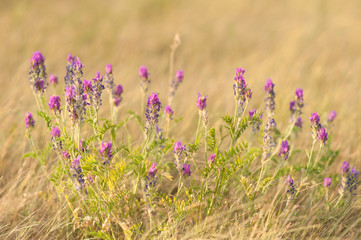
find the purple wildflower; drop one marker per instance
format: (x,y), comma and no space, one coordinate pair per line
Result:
(345,167)
(178,148)
(241,92)
(322,135)
(37,73)
(78,173)
(90,178)
(332,116)
(349,179)
(179,76)
(187,170)
(108,78)
(293,106)
(201,102)
(270,98)
(118,94)
(53,79)
(315,118)
(211,158)
(65,155)
(299,95)
(37,59)
(268,143)
(87,85)
(251,113)
(291,187)
(327,182)
(153,170)
(106,152)
(284,150)
(168,111)
(97,91)
(54,103)
(29,121)
(55,132)
(144,75)
(152,111)
(299,123)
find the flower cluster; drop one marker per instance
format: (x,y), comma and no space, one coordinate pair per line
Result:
(291,187)
(108,78)
(268,143)
(53,80)
(37,72)
(241,92)
(78,175)
(152,111)
(106,152)
(29,121)
(284,150)
(117,95)
(151,179)
(54,104)
(202,105)
(349,179)
(55,135)
(97,91)
(270,98)
(318,131)
(211,159)
(327,182)
(186,170)
(144,76)
(168,112)
(255,123)
(331,116)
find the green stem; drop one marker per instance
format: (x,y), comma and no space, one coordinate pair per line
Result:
(199,123)
(318,156)
(310,156)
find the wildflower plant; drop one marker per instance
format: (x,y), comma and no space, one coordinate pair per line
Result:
(114,185)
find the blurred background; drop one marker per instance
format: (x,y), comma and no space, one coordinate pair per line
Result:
(314,45)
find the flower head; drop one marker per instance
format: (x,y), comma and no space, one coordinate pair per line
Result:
(179,76)
(118,90)
(168,111)
(178,148)
(291,187)
(109,69)
(106,151)
(152,111)
(201,102)
(327,182)
(211,158)
(87,85)
(268,87)
(345,167)
(37,59)
(284,150)
(299,95)
(293,106)
(143,72)
(153,170)
(298,122)
(65,155)
(322,135)
(332,116)
(54,103)
(187,170)
(29,121)
(251,113)
(55,132)
(315,118)
(53,79)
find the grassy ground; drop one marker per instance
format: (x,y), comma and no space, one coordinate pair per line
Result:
(310,44)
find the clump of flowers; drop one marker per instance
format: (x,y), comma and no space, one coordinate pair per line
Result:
(151,179)
(144,76)
(177,151)
(241,92)
(322,136)
(54,104)
(168,111)
(108,78)
(202,105)
(211,159)
(291,188)
(152,111)
(37,72)
(55,135)
(284,150)
(349,179)
(29,121)
(331,116)
(97,91)
(268,143)
(53,80)
(270,98)
(318,131)
(118,91)
(106,152)
(78,175)
(186,170)
(255,124)
(327,182)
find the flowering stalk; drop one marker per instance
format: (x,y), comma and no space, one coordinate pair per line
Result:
(202,106)
(77,174)
(291,190)
(37,77)
(270,98)
(106,152)
(349,180)
(242,95)
(152,113)
(326,184)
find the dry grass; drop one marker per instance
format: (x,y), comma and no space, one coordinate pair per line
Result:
(310,44)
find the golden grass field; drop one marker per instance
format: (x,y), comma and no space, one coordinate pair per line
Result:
(314,45)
